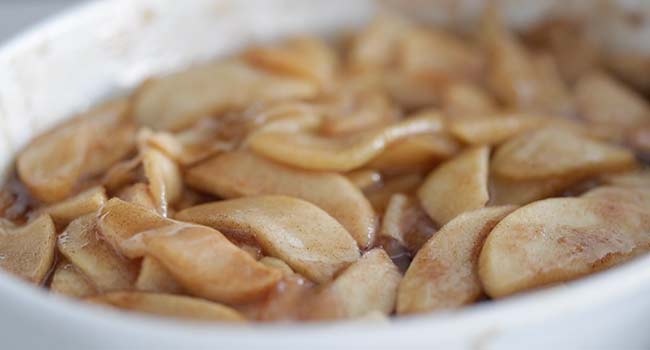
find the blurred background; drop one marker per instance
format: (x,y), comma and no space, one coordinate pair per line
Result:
(17,15)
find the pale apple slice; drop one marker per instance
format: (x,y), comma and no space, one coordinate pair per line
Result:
(240,174)
(494,128)
(122,174)
(178,100)
(560,239)
(639,196)
(310,151)
(305,57)
(119,220)
(456,186)
(68,280)
(359,112)
(277,264)
(464,98)
(435,52)
(285,302)
(207,265)
(155,278)
(165,181)
(107,270)
(169,305)
(365,179)
(443,274)
(558,152)
(639,178)
(415,152)
(603,99)
(139,194)
(28,251)
(51,165)
(510,75)
(83,203)
(112,135)
(301,234)
(406,222)
(368,285)
(506,191)
(377,45)
(407,183)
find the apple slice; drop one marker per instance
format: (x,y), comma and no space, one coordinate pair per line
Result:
(138,194)
(558,152)
(169,305)
(240,174)
(368,285)
(295,231)
(83,203)
(120,220)
(51,165)
(28,251)
(176,101)
(603,99)
(310,151)
(207,265)
(277,264)
(68,280)
(560,239)
(443,273)
(456,186)
(494,128)
(155,278)
(107,270)
(306,57)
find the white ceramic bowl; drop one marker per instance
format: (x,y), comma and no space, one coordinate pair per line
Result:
(106,47)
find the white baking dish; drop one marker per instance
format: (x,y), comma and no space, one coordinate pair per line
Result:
(108,46)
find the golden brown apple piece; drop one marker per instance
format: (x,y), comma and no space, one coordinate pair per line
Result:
(119,220)
(444,272)
(165,181)
(436,53)
(507,191)
(494,128)
(560,239)
(81,245)
(415,152)
(464,98)
(51,164)
(376,46)
(368,285)
(365,179)
(138,194)
(557,152)
(344,153)
(381,195)
(28,251)
(207,265)
(406,222)
(178,100)
(304,57)
(277,264)
(603,99)
(358,112)
(155,278)
(68,280)
(240,174)
(295,231)
(456,186)
(169,305)
(83,203)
